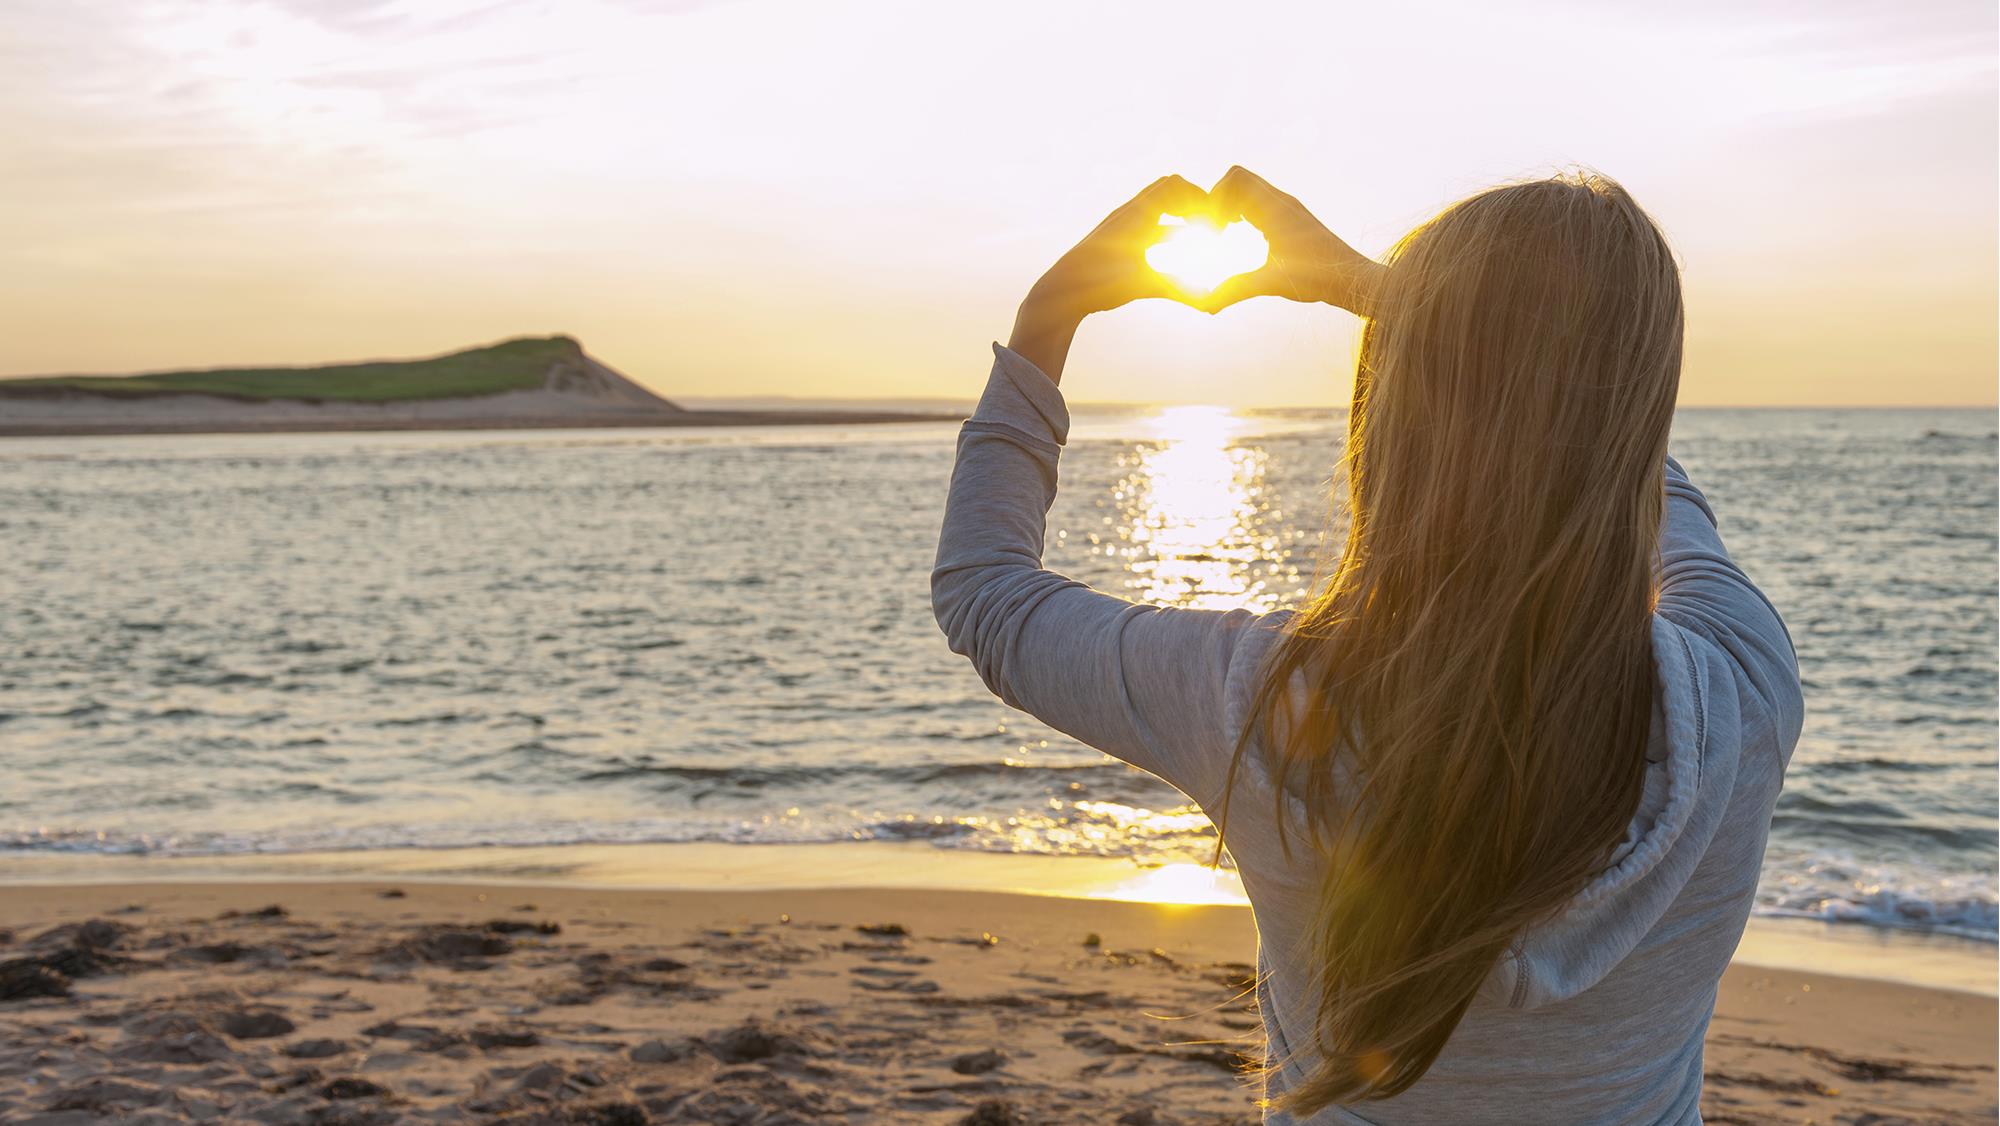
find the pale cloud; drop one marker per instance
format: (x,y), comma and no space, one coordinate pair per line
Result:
(793,196)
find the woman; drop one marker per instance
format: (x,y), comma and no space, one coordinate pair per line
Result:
(1500,790)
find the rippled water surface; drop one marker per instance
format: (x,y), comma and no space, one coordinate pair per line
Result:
(353,641)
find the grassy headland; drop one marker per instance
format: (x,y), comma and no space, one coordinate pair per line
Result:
(532,382)
(511,365)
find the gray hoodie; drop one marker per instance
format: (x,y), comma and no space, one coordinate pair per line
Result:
(1595,1017)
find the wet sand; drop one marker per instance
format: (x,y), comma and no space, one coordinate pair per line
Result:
(378,1002)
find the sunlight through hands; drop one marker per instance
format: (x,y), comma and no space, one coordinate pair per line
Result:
(1199,255)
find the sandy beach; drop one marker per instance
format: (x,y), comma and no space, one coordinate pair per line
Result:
(380,1002)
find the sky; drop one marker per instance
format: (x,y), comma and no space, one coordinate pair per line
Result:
(795,197)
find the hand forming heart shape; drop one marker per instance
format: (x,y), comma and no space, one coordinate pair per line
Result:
(1247,239)
(1242,238)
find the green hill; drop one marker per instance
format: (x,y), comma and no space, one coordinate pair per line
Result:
(512,365)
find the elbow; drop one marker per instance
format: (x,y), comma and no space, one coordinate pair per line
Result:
(973,593)
(980,608)
(1787,701)
(955,603)
(1783,715)
(944,600)
(1770,670)
(1795,719)
(954,596)
(1784,686)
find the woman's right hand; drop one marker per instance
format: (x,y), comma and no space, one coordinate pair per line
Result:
(1104,271)
(1307,262)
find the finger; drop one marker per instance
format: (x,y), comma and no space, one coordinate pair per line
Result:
(1269,280)
(1169,192)
(1171,195)
(1162,286)
(1242,192)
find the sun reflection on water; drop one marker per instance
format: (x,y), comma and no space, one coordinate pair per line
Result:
(1186,884)
(1195,504)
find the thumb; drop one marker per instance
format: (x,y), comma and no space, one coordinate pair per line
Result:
(1242,287)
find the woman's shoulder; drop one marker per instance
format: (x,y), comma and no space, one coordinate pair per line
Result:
(1260,636)
(1254,776)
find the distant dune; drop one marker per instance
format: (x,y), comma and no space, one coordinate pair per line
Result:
(526,383)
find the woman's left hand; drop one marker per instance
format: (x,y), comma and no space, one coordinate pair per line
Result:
(1307,262)
(1104,271)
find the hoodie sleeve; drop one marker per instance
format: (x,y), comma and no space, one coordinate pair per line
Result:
(1704,592)
(1145,684)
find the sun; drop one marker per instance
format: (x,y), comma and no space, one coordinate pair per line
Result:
(1200,255)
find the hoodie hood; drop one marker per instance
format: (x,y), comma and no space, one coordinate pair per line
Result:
(1669,833)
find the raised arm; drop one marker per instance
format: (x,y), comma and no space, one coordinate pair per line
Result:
(1147,684)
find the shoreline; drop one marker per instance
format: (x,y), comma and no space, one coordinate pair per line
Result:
(1849,950)
(365,1000)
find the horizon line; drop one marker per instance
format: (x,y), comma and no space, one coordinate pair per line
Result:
(1090,403)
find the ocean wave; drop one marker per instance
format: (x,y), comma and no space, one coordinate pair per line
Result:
(1839,888)
(1833,888)
(1078,828)
(1962,918)
(907,774)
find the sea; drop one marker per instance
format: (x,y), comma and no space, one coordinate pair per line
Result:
(288,644)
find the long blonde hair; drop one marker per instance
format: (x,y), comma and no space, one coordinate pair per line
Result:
(1479,664)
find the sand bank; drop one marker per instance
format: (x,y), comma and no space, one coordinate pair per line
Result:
(1843,949)
(389,1001)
